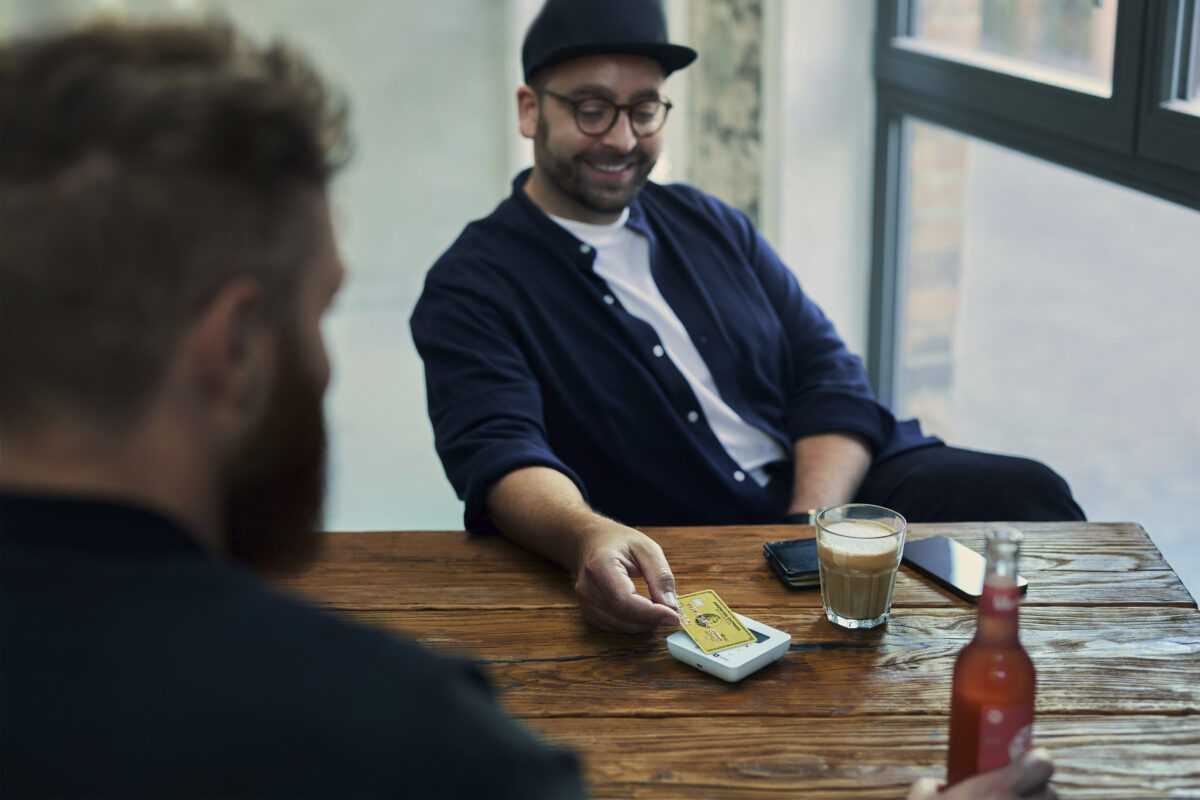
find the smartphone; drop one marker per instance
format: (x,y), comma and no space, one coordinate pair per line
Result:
(955,566)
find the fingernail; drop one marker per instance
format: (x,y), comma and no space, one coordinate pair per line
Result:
(671,599)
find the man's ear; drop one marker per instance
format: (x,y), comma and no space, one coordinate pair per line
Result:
(234,350)
(527,111)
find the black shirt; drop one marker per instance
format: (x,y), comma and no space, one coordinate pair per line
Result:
(133,664)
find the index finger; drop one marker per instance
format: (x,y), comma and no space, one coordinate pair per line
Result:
(642,611)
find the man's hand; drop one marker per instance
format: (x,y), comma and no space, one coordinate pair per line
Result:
(1027,778)
(540,508)
(610,557)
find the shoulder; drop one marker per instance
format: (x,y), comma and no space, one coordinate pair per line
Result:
(681,201)
(357,709)
(270,630)
(490,245)
(474,245)
(272,697)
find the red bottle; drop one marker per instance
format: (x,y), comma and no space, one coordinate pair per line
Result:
(991,706)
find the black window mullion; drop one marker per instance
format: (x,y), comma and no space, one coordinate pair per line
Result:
(1101,121)
(1165,135)
(887,249)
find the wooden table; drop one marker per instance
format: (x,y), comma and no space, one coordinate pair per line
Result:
(1113,633)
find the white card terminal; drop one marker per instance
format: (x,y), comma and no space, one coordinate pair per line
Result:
(737,662)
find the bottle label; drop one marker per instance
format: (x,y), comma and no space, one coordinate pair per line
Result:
(999,601)
(1005,732)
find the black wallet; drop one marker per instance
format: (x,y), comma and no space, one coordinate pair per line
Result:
(794,561)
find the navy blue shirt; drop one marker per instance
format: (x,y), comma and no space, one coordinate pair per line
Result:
(531,360)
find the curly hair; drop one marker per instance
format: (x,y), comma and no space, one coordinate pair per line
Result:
(142,167)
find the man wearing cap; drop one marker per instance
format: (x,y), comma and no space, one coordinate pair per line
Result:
(603,352)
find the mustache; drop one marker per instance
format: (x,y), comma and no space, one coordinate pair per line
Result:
(607,158)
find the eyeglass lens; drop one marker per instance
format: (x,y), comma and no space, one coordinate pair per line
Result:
(596,116)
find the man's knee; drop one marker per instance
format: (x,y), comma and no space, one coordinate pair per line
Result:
(1034,489)
(947,484)
(1000,487)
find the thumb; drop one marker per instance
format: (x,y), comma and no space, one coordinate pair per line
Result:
(1035,768)
(660,581)
(1022,777)
(923,789)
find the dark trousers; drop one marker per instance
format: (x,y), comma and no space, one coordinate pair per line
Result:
(949,484)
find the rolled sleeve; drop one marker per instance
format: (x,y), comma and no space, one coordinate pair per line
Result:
(820,411)
(484,403)
(827,389)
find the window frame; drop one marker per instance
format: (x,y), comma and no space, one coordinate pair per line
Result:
(1131,138)
(1167,135)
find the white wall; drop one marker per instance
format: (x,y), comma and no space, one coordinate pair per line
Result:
(433,113)
(433,121)
(819,118)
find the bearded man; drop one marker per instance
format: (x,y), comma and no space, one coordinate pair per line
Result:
(167,257)
(604,353)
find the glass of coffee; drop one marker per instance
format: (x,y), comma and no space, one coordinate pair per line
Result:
(858,549)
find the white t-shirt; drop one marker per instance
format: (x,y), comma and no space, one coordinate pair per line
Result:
(623,261)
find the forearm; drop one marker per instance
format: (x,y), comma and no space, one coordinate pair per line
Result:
(542,509)
(828,470)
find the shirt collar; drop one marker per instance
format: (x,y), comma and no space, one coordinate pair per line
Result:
(555,232)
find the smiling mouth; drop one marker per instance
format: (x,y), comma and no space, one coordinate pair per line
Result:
(611,172)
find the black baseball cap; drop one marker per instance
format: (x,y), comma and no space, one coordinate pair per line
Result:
(567,29)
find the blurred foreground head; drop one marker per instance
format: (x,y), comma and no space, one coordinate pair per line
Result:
(158,185)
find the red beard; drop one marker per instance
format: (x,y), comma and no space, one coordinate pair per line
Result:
(276,489)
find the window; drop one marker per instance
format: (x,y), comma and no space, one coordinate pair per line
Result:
(1020,308)
(1036,231)
(1170,107)
(1102,86)
(1105,87)
(1069,43)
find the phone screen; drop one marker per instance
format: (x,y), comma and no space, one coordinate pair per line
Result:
(953,565)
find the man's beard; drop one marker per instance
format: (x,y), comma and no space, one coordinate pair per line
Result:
(276,488)
(567,173)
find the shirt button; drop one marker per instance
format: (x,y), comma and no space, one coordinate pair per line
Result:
(658,351)
(585,248)
(692,416)
(739,476)
(608,298)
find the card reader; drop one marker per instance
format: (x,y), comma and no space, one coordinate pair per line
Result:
(737,662)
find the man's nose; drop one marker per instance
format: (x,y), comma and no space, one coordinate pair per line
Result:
(620,135)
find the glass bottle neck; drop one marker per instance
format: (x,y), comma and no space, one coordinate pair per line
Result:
(994,628)
(1000,599)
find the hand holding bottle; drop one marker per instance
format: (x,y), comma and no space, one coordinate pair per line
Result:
(1027,778)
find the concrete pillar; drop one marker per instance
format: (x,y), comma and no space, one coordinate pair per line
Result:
(725,137)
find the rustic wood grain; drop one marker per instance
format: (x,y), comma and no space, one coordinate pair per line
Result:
(550,663)
(1066,564)
(845,714)
(1118,758)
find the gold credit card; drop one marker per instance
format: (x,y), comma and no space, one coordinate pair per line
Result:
(710,623)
